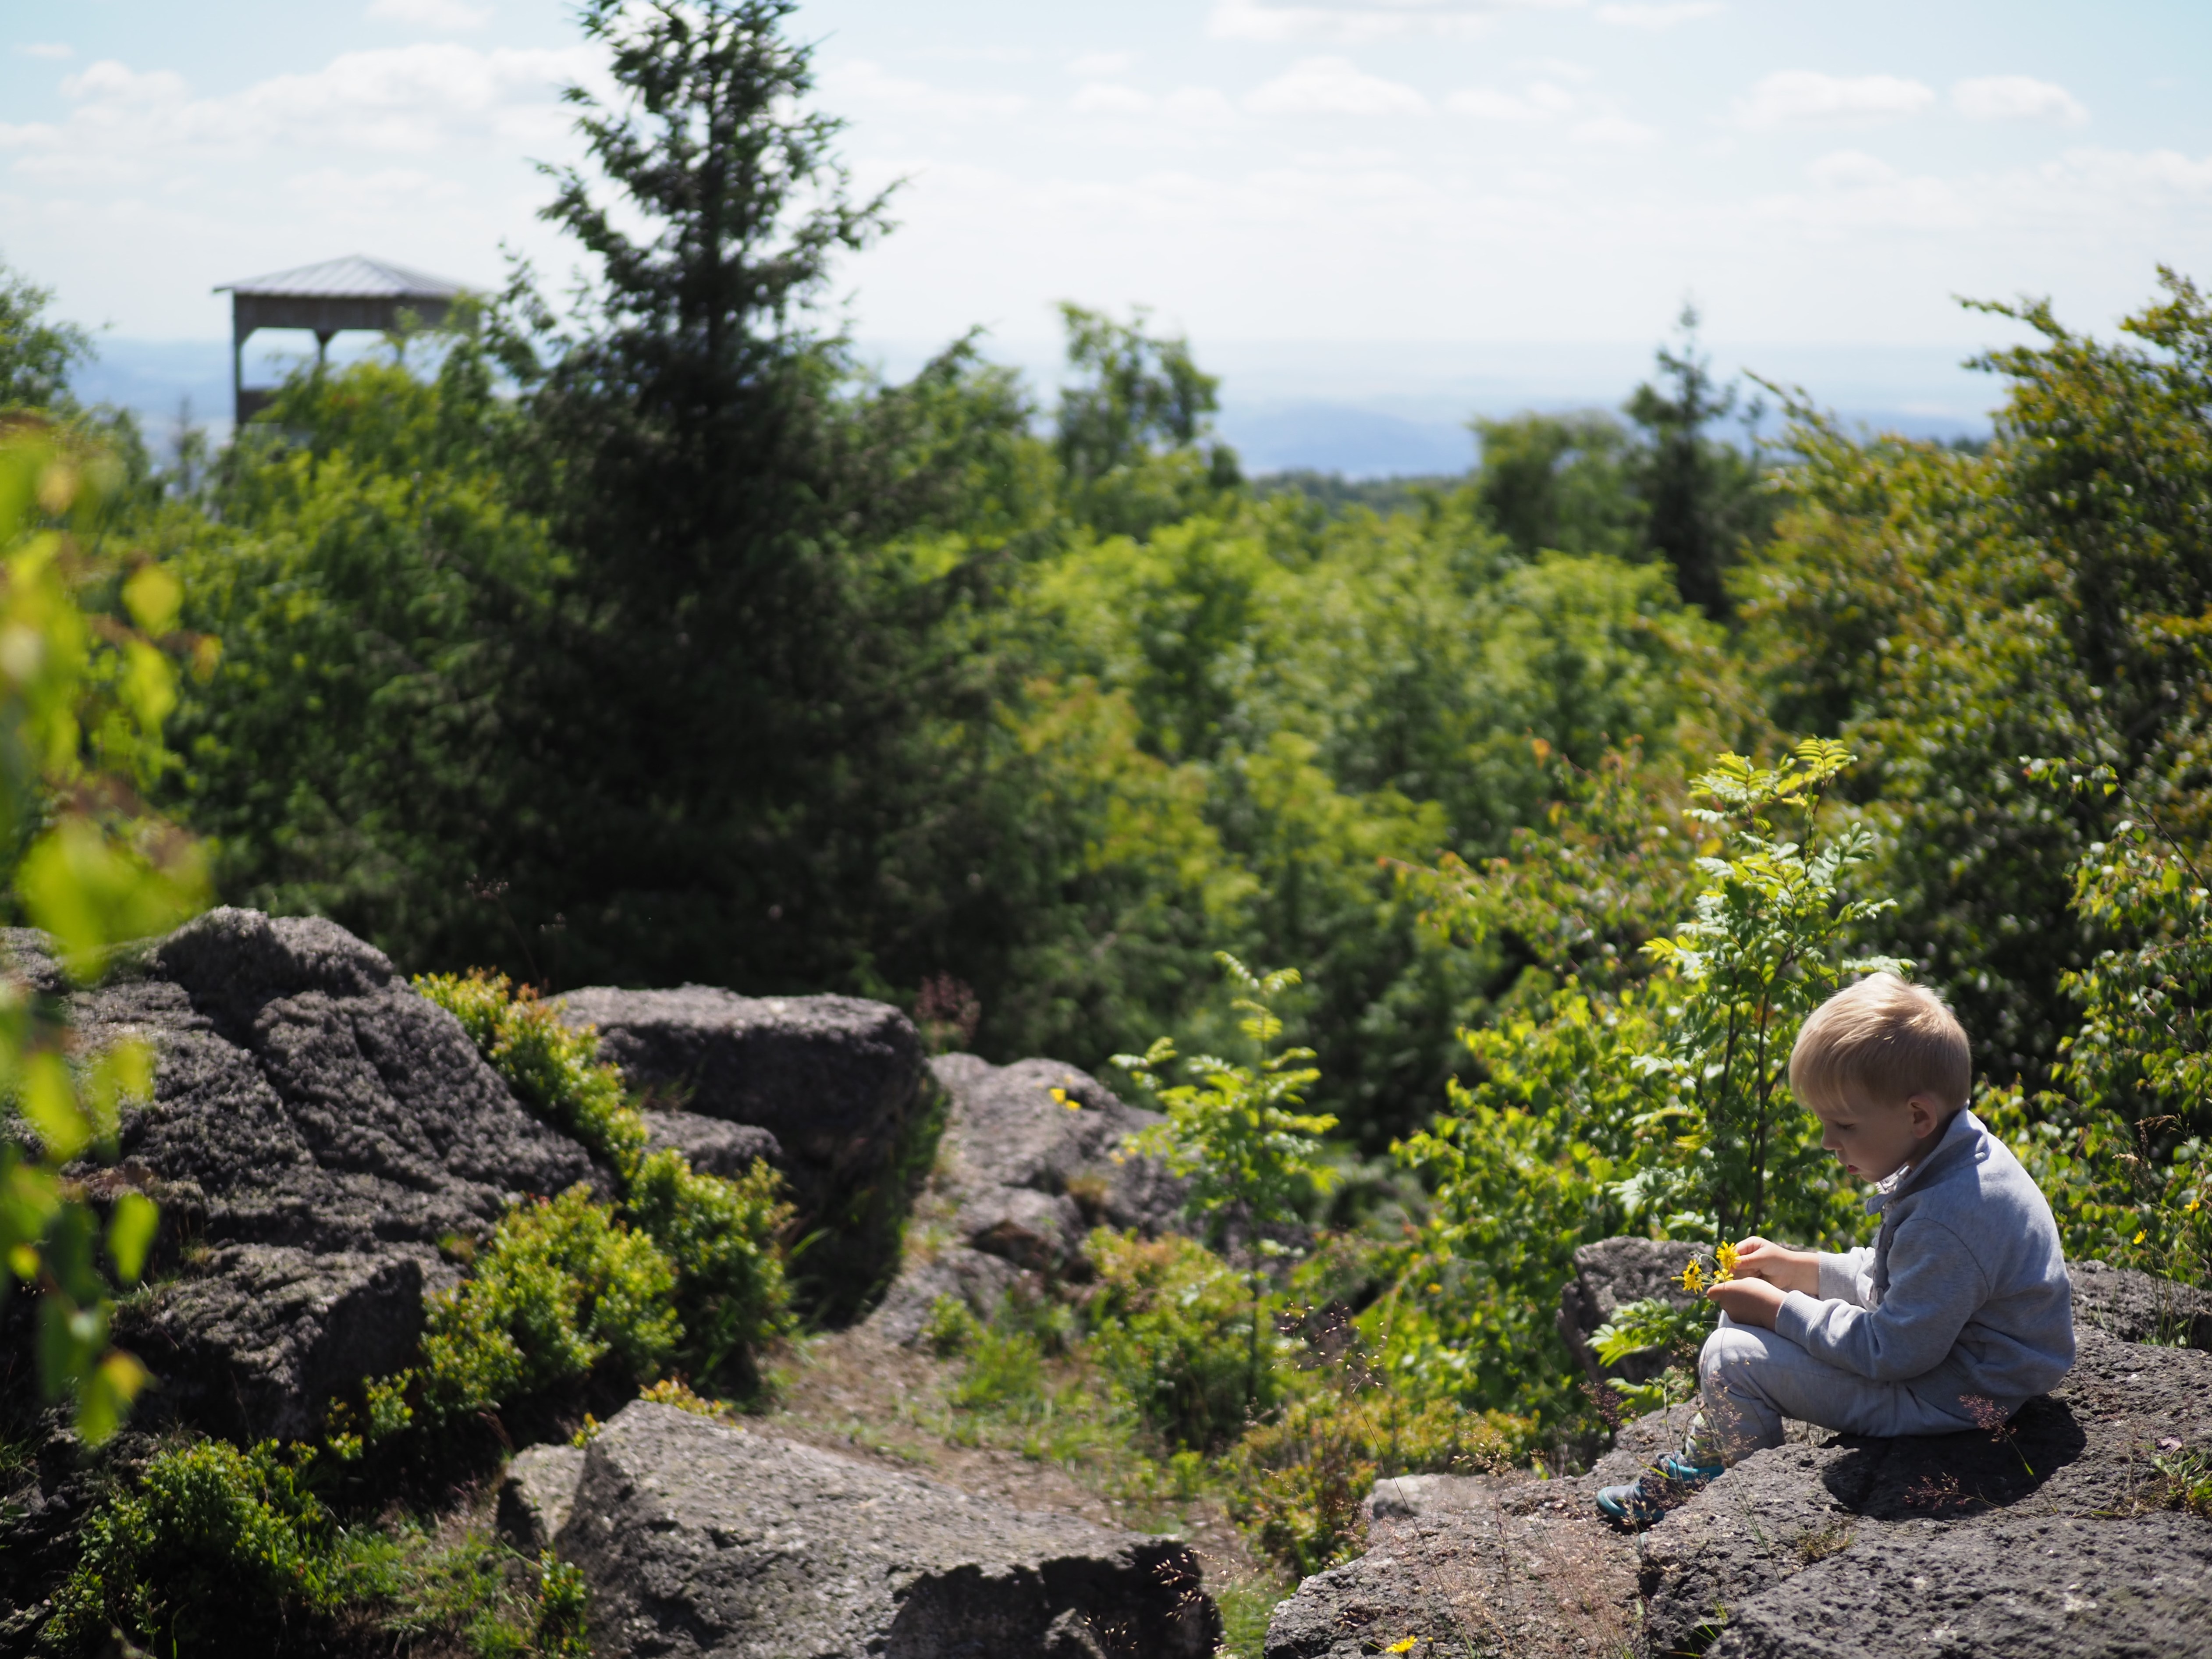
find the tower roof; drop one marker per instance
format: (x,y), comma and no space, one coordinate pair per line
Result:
(355,277)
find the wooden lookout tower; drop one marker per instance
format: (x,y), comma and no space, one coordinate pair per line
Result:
(327,299)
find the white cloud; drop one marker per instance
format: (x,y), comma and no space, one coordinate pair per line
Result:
(1616,132)
(2016,98)
(1376,19)
(1794,97)
(1099,65)
(57,49)
(1540,101)
(1333,86)
(453,16)
(1199,107)
(1846,169)
(128,124)
(1103,98)
(1662,17)
(864,83)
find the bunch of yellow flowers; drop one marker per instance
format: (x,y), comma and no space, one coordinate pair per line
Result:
(1692,1278)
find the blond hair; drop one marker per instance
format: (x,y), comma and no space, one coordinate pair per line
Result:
(1882,1041)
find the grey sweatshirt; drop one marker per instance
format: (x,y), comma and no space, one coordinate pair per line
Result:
(1965,1292)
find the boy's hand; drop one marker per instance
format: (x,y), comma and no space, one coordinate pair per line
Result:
(1788,1269)
(1748,1301)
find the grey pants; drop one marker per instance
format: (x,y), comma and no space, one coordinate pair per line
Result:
(1750,1379)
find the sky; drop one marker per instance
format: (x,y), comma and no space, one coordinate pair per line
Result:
(1411,207)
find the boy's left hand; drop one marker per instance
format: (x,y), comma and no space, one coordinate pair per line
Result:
(1748,1301)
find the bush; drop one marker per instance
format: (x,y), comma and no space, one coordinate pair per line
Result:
(215,1550)
(731,1294)
(1296,1484)
(1171,1325)
(560,1287)
(721,1236)
(553,1067)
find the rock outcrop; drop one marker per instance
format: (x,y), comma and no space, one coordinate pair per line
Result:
(832,1080)
(316,1129)
(1025,1170)
(700,1540)
(2047,1538)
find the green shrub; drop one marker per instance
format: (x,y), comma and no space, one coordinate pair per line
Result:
(553,1067)
(562,1286)
(731,1294)
(564,1606)
(1171,1324)
(1296,1484)
(721,1236)
(213,1551)
(1005,1368)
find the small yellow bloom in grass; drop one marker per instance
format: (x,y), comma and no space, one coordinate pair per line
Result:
(1406,1646)
(1725,1254)
(2137,1239)
(1433,1289)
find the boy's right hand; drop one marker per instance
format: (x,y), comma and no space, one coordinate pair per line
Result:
(1785,1269)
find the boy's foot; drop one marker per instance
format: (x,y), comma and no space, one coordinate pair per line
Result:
(1657,1490)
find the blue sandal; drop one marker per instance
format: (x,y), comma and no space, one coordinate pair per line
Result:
(1667,1484)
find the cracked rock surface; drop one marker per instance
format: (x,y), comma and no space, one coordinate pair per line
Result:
(1026,1168)
(700,1540)
(316,1129)
(2054,1538)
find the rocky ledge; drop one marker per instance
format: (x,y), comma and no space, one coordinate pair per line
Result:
(1030,1162)
(701,1540)
(2053,1539)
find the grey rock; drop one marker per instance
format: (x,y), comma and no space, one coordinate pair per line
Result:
(980,1281)
(2019,1586)
(2047,1537)
(713,1146)
(701,1540)
(1028,1165)
(833,1078)
(1608,1276)
(316,1129)
(538,1494)
(262,1331)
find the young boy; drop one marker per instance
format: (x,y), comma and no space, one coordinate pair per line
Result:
(1961,1310)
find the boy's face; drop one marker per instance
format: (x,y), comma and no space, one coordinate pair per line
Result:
(1874,1142)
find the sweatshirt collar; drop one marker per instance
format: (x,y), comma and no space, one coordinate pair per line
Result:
(1962,1130)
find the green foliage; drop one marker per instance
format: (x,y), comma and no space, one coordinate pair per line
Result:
(84,688)
(553,1067)
(211,1549)
(721,1236)
(1614,1101)
(36,353)
(212,1552)
(1947,613)
(1296,1482)
(1559,483)
(2120,1142)
(1234,1133)
(560,1287)
(1764,948)
(565,1604)
(1172,1325)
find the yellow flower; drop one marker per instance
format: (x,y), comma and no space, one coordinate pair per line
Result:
(1692,1278)
(1060,1095)
(1725,1254)
(2137,1239)
(1433,1289)
(1406,1646)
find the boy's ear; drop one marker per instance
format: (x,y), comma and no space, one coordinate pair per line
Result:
(1927,1113)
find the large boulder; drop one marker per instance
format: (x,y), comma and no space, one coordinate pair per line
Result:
(1030,1161)
(702,1540)
(833,1080)
(2047,1538)
(317,1129)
